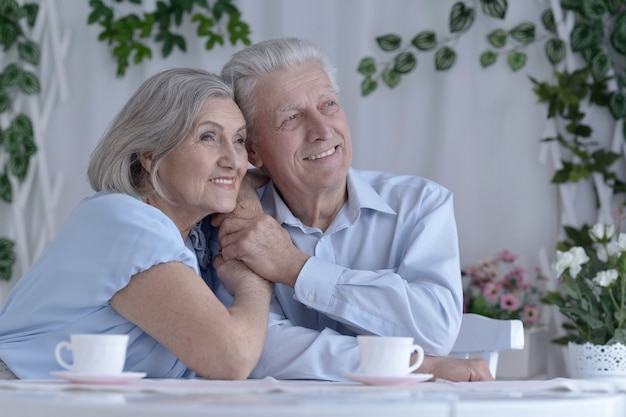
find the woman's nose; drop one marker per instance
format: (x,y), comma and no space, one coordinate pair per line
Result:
(229,158)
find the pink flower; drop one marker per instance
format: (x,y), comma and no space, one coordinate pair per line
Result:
(506,256)
(498,288)
(492,291)
(510,302)
(531,314)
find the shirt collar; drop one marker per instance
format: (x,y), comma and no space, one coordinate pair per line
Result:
(361,195)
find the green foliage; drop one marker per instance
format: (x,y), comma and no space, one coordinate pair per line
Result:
(572,92)
(21,55)
(596,313)
(129,36)
(7,259)
(508,42)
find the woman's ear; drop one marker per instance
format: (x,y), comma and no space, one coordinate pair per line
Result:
(145,158)
(253,156)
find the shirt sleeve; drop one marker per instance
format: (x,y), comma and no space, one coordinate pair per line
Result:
(129,237)
(422,297)
(297,352)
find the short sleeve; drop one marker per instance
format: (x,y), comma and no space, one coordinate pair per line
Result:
(127,236)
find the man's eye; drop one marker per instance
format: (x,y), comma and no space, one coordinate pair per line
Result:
(290,121)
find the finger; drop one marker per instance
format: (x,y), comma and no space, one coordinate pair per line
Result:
(218,261)
(244,212)
(234,229)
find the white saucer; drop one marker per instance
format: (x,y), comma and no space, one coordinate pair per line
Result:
(98,379)
(389,380)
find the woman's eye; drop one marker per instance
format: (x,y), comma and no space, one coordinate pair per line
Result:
(240,140)
(207,137)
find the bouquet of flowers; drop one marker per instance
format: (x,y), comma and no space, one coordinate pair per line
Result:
(498,288)
(593,279)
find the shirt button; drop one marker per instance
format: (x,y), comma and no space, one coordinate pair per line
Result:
(310,296)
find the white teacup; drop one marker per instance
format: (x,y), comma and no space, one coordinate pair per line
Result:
(388,356)
(94,354)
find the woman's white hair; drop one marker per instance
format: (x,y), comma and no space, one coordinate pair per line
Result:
(155,120)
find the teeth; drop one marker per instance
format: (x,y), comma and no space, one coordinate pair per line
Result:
(223,181)
(321,155)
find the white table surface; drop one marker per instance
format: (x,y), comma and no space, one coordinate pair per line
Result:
(269,397)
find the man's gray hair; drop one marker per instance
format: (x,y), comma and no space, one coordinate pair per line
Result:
(246,67)
(156,119)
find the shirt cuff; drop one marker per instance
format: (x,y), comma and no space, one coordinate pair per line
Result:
(315,286)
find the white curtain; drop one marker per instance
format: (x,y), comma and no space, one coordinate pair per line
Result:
(476,131)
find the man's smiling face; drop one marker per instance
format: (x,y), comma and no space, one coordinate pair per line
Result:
(302,135)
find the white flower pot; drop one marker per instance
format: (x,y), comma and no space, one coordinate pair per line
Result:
(589,361)
(528,362)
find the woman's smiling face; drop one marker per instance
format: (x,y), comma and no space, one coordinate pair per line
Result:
(203,174)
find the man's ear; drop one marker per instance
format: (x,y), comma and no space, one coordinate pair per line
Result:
(253,156)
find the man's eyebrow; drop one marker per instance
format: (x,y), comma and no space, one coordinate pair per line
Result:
(328,92)
(288,108)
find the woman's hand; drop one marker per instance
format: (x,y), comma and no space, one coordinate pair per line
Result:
(236,276)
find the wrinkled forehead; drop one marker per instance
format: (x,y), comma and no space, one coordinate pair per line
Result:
(290,88)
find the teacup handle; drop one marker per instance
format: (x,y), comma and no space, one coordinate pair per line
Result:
(57,354)
(420,357)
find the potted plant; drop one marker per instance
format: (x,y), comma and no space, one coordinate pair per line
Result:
(592,274)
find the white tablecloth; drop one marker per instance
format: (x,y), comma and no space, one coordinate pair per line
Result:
(270,397)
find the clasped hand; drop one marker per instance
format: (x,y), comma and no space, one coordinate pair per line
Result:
(255,238)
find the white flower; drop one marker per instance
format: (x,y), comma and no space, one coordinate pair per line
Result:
(605,278)
(601,232)
(615,248)
(602,253)
(572,259)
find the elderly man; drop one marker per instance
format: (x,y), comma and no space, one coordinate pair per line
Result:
(351,252)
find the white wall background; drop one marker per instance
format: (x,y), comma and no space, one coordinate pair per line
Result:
(476,131)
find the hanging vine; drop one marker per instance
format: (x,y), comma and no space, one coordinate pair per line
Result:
(129,36)
(598,36)
(17,78)
(508,42)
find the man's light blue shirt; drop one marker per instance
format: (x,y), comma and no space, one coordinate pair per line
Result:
(387,265)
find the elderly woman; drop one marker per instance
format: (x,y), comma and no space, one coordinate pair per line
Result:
(124,262)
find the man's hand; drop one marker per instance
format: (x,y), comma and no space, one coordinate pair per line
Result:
(261,243)
(457,370)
